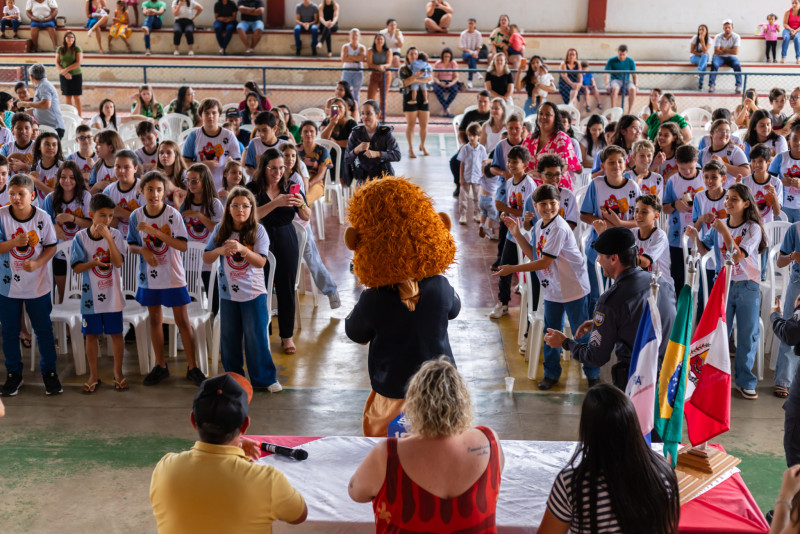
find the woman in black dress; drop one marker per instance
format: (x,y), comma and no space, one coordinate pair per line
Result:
(276,210)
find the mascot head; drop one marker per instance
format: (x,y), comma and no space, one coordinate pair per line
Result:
(396,236)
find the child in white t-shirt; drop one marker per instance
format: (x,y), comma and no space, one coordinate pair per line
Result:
(97,253)
(471,155)
(242,246)
(27,244)
(561,269)
(157,232)
(84,156)
(11,17)
(649,182)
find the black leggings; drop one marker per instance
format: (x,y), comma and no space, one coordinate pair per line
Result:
(183,26)
(283,245)
(771,45)
(325,34)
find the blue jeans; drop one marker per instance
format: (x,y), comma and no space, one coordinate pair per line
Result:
(299,29)
(793,214)
(224,31)
(11,320)
(717,62)
(701,62)
(744,302)
(152,22)
(787,40)
(472,63)
(354,78)
(786,366)
(319,274)
(14,23)
(530,106)
(247,321)
(439,91)
(554,318)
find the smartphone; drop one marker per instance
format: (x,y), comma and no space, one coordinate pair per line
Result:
(334,110)
(294,189)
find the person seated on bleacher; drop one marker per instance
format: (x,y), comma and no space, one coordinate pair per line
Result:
(726,47)
(438,15)
(621,83)
(42,14)
(252,12)
(394,40)
(601,490)
(306,21)
(153,11)
(225,12)
(444,458)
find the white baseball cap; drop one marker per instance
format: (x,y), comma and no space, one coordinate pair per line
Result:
(727,21)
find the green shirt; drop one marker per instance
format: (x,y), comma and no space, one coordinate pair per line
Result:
(154,4)
(653,124)
(156,112)
(67,59)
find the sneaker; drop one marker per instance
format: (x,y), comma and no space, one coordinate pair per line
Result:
(147,52)
(275,388)
(491,234)
(749,394)
(191,52)
(593,381)
(462,219)
(13,383)
(156,375)
(499,310)
(52,385)
(547,383)
(176,53)
(737,89)
(711,88)
(482,231)
(469,83)
(334,301)
(523,348)
(195,375)
(479,75)
(476,218)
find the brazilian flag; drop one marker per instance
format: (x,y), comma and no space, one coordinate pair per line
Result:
(671,385)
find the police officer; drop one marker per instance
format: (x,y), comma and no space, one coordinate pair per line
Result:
(788,331)
(618,310)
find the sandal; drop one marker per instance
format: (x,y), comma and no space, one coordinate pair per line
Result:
(781,392)
(288,346)
(88,388)
(121,385)
(26,342)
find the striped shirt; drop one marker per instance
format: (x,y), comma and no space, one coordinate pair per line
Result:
(470,41)
(561,506)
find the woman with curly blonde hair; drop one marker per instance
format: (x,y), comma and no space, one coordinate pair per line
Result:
(444,460)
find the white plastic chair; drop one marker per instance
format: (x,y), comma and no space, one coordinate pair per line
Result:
(776,279)
(613,114)
(182,137)
(134,313)
(536,329)
(216,335)
(67,313)
(522,325)
(132,143)
(127,129)
(43,128)
(335,185)
(456,122)
(300,230)
(199,309)
(314,114)
(299,119)
(71,122)
(66,108)
(172,124)
(696,117)
(573,111)
(470,108)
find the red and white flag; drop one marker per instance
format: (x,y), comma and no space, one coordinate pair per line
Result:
(708,389)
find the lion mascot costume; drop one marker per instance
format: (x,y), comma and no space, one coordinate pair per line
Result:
(401,248)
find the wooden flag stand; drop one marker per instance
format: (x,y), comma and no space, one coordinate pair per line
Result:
(698,466)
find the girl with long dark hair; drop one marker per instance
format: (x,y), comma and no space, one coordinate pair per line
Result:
(760,131)
(614,482)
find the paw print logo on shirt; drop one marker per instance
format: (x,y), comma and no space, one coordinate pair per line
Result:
(89,303)
(101,297)
(153,274)
(235,288)
(6,279)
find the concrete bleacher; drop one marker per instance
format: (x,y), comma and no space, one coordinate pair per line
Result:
(116,76)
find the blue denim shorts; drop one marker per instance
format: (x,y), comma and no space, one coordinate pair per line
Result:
(48,24)
(250,25)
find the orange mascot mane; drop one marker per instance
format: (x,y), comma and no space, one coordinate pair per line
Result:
(397,237)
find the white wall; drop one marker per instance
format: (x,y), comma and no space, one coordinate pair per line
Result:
(530,15)
(683,16)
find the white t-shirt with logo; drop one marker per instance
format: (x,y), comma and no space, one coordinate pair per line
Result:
(144,157)
(201,147)
(676,188)
(652,185)
(763,200)
(13,148)
(600,196)
(47,176)
(84,164)
(102,173)
(130,200)
(656,249)
(785,166)
(169,273)
(254,151)
(79,207)
(101,291)
(15,282)
(516,195)
(730,154)
(5,134)
(238,280)
(705,204)
(566,279)
(568,207)
(747,236)
(197,231)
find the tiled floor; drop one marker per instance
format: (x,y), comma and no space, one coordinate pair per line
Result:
(82,463)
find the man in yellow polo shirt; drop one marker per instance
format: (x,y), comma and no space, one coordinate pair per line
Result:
(214,487)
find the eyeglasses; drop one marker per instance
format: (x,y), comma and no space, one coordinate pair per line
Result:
(84,138)
(242,207)
(794,97)
(194,180)
(276,169)
(551,174)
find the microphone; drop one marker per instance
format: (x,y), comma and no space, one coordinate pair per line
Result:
(297,454)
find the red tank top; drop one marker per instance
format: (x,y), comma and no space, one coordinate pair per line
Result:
(794,21)
(402,507)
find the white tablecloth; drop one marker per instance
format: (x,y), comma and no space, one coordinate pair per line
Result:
(530,468)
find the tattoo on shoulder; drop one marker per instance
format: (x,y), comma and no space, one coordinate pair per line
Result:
(479,451)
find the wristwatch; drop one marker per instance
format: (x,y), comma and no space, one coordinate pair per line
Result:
(565,343)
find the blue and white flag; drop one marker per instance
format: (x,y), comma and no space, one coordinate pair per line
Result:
(644,365)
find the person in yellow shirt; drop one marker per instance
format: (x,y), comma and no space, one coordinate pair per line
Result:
(214,487)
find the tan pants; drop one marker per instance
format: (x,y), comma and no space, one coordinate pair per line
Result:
(379,411)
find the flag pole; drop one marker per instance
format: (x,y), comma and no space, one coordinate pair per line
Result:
(654,276)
